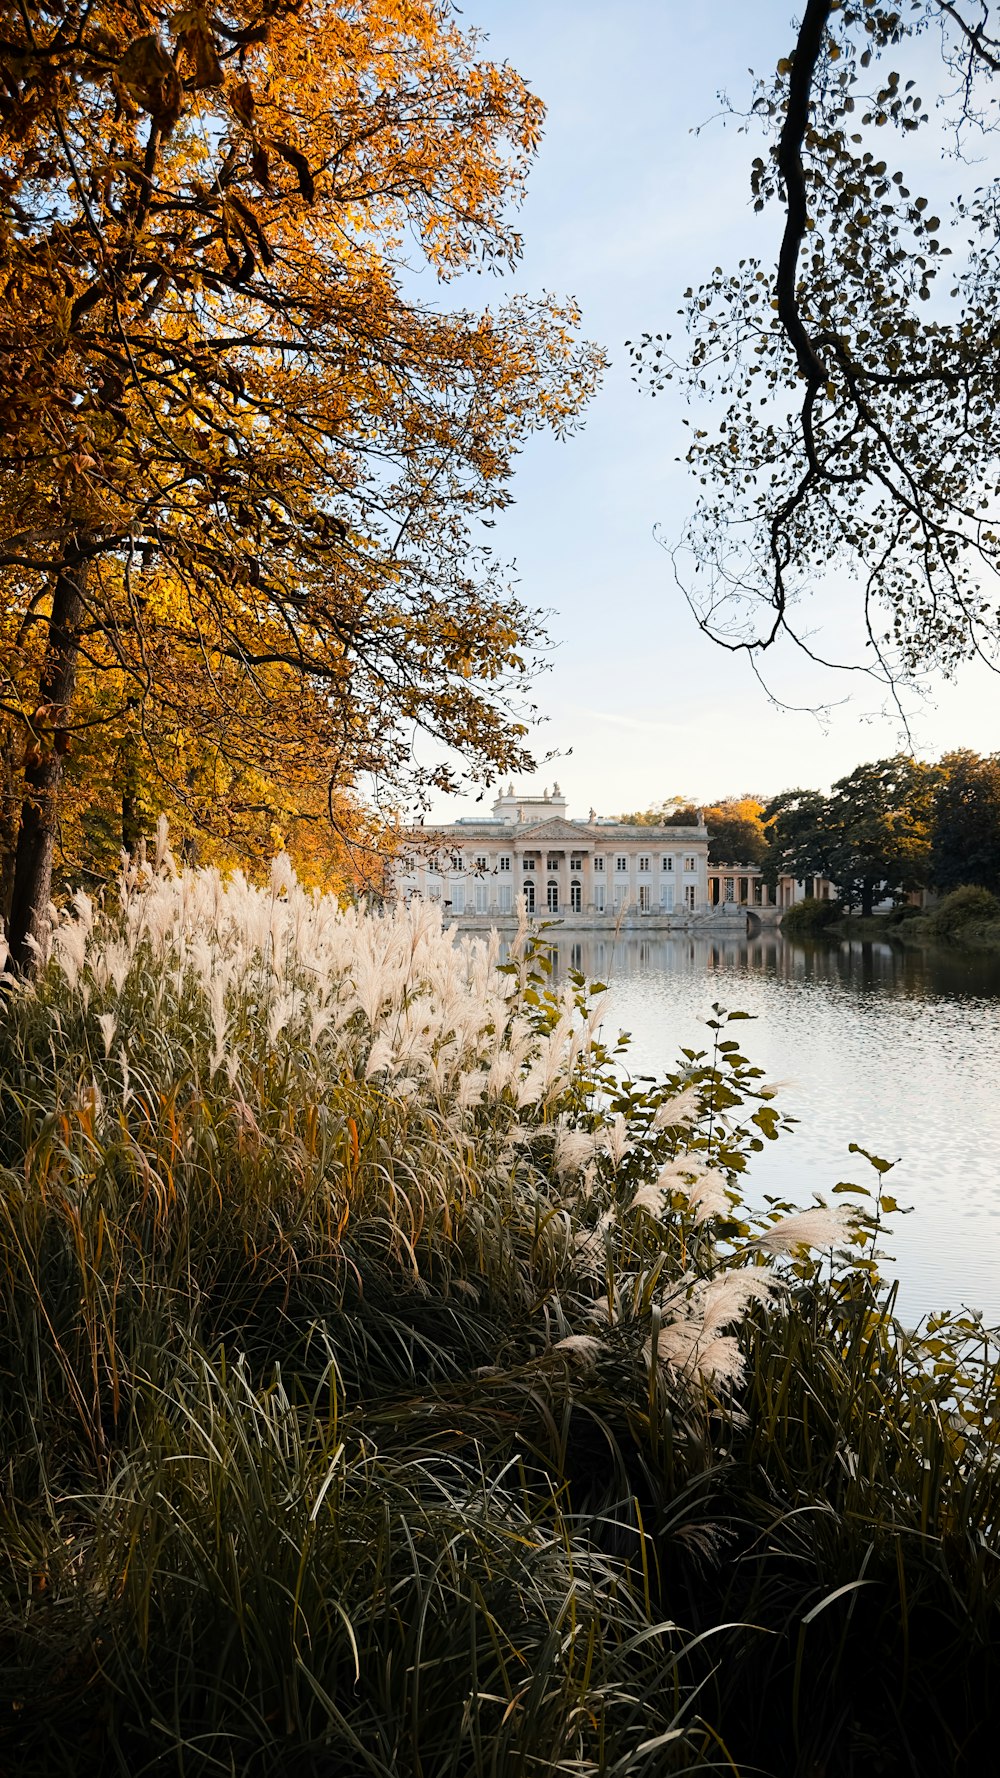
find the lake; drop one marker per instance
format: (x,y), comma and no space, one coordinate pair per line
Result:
(896,1049)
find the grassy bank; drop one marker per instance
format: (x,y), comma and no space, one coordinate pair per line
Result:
(968,918)
(391,1383)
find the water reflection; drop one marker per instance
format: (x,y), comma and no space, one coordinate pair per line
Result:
(895,1048)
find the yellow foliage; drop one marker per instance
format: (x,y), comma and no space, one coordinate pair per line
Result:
(251,453)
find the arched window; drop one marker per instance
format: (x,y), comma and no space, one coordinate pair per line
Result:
(575,897)
(552,897)
(529,896)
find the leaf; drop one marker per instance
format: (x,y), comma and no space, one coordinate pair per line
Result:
(148,75)
(195,41)
(874,1160)
(242,102)
(261,168)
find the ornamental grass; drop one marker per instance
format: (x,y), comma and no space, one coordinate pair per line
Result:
(392,1383)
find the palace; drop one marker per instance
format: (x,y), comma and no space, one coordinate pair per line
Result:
(587,873)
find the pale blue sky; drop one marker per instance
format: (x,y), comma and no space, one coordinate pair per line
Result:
(625,209)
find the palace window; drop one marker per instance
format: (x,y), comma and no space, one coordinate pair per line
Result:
(598,898)
(505,897)
(458,862)
(458,898)
(552,862)
(598,864)
(666,864)
(644,898)
(730,893)
(689,895)
(690,864)
(576,863)
(576,897)
(529,897)
(527,864)
(503,862)
(621,865)
(480,860)
(643,862)
(667,897)
(552,897)
(482,898)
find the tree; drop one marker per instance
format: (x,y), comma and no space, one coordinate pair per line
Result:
(672,812)
(861,420)
(736,831)
(871,836)
(965,844)
(802,839)
(241,458)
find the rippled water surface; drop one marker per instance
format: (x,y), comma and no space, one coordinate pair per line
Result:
(896,1049)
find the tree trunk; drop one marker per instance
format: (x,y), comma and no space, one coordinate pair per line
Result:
(867,897)
(43,770)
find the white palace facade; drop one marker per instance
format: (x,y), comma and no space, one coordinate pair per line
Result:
(587,873)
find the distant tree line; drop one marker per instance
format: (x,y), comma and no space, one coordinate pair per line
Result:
(889,827)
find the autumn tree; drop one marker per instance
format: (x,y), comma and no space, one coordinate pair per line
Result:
(858,377)
(736,831)
(965,845)
(243,452)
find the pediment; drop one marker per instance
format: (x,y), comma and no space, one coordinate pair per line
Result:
(554,830)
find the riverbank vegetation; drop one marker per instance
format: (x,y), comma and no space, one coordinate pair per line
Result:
(393,1382)
(889,828)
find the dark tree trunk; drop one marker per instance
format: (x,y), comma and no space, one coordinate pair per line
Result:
(128,761)
(867,898)
(10,800)
(43,770)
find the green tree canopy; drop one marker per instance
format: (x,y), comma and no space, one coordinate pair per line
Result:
(965,847)
(871,836)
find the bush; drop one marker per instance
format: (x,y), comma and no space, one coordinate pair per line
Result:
(961,910)
(390,1383)
(902,913)
(811,918)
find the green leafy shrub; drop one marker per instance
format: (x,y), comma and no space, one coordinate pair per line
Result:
(811,918)
(903,913)
(961,911)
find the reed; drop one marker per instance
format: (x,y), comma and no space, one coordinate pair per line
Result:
(392,1383)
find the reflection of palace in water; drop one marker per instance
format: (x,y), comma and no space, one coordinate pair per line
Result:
(855,963)
(594,873)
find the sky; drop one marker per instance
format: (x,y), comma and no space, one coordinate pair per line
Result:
(626,208)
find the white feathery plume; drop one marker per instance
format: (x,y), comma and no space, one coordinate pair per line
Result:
(615,1141)
(650,1195)
(680,1111)
(573,1148)
(584,1348)
(108,1026)
(69,945)
(708,1195)
(816,1227)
